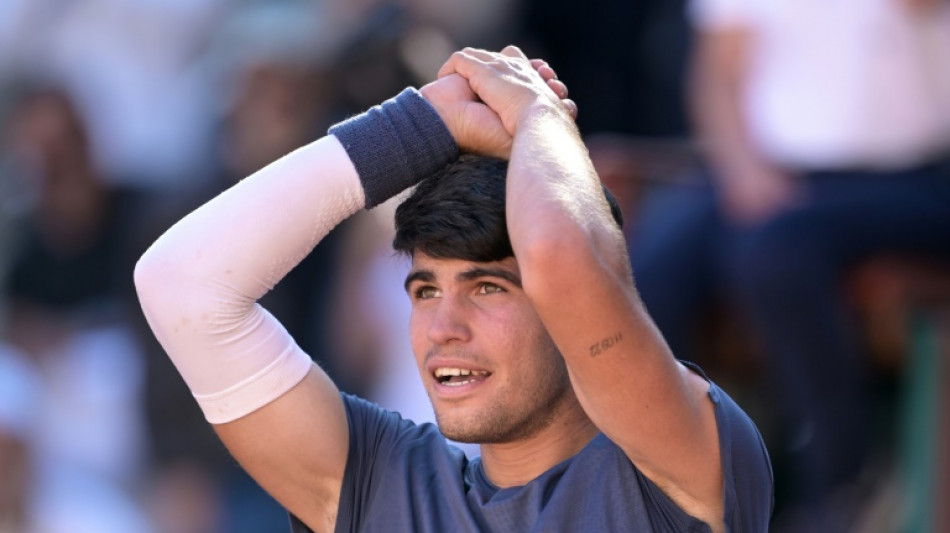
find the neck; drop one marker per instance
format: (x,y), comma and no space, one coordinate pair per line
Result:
(513,464)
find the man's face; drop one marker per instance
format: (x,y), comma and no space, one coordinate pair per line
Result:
(492,372)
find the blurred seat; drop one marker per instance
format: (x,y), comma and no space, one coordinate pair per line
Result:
(905,307)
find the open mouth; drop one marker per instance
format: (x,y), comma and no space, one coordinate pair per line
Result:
(457,377)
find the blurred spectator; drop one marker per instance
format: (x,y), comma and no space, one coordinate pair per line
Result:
(65,315)
(132,68)
(826,128)
(71,239)
(19,402)
(39,493)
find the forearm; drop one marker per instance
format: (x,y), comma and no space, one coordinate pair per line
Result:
(555,201)
(575,269)
(251,235)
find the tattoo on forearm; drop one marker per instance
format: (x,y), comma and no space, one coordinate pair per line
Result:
(605,344)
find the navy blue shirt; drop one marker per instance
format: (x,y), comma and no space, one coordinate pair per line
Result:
(403,477)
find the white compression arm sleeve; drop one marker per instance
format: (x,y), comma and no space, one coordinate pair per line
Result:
(199,283)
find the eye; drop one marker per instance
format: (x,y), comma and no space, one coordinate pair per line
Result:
(489,288)
(424,292)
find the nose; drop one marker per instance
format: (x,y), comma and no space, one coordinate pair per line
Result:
(449,321)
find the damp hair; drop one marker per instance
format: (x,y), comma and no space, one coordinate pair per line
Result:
(459,213)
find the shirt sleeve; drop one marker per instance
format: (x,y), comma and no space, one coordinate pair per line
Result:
(374,433)
(746,468)
(390,467)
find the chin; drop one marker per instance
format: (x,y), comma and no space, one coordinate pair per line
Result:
(463,437)
(471,435)
(454,428)
(492,430)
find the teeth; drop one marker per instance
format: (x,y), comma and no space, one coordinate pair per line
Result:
(452,371)
(458,383)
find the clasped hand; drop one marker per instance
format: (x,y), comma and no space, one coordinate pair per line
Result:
(482,96)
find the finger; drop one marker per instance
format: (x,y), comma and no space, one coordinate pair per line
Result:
(544,69)
(447,68)
(479,53)
(513,51)
(558,87)
(469,56)
(571,107)
(547,73)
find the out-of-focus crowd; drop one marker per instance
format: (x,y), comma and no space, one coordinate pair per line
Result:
(763,152)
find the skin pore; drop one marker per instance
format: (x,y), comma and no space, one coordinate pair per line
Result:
(491,370)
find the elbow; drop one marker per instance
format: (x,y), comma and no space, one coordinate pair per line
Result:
(562,260)
(178,292)
(158,282)
(150,279)
(548,260)
(172,305)
(144,275)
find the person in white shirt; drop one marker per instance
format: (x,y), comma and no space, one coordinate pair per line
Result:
(825,128)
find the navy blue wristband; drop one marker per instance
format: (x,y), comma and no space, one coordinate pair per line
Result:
(396,144)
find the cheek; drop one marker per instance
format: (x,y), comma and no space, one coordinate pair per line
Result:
(520,337)
(417,334)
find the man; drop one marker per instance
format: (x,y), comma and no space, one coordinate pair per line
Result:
(534,346)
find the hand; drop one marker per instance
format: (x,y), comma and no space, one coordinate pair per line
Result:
(756,193)
(505,81)
(476,126)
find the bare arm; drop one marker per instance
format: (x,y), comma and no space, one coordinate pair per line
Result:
(574,268)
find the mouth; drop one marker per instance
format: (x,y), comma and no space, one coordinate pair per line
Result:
(459,377)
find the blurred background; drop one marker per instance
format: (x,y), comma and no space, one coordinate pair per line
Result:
(784,180)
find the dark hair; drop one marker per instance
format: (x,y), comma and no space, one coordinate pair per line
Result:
(459,213)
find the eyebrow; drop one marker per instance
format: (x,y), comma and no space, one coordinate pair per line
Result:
(418,275)
(489,272)
(467,275)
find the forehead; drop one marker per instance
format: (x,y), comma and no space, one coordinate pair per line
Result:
(424,261)
(428,268)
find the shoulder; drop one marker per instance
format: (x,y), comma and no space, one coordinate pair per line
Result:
(746,467)
(601,489)
(377,433)
(391,466)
